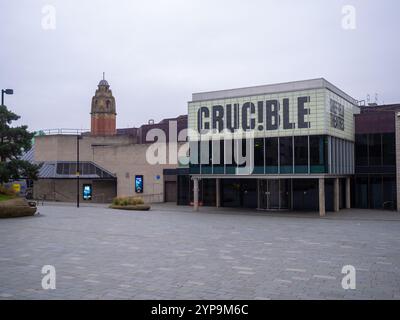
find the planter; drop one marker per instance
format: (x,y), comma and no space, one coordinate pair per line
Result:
(139,207)
(17,207)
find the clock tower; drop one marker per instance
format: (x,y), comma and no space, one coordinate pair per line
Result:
(103,122)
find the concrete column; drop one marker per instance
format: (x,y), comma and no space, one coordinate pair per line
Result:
(348,200)
(336,194)
(196,194)
(321,187)
(217,193)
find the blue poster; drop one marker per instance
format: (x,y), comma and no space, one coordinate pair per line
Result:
(87,192)
(139,184)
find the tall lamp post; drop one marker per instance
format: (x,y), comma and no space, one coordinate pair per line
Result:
(5,91)
(78,137)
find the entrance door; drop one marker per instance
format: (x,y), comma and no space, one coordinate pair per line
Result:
(275,194)
(285,194)
(170,191)
(263,194)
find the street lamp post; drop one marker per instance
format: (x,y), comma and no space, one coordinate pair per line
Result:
(5,91)
(78,137)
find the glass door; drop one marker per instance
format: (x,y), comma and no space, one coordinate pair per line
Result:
(275,194)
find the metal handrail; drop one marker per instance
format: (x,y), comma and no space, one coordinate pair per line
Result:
(62,131)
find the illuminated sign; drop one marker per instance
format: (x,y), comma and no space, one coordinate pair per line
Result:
(87,192)
(139,184)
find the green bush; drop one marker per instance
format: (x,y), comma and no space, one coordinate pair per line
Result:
(7,191)
(127,201)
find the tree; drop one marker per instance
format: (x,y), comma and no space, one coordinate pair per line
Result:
(13,142)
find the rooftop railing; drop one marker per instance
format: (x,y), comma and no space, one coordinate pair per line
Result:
(61,131)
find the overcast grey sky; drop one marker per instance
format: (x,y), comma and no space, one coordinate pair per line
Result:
(157,53)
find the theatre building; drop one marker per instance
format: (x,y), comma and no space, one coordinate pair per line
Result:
(286,146)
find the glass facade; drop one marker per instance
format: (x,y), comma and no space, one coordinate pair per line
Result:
(301,154)
(374,185)
(286,155)
(374,191)
(271,156)
(275,194)
(239,193)
(259,156)
(281,155)
(85,169)
(207,195)
(318,154)
(375,153)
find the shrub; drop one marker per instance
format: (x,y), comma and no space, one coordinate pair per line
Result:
(127,201)
(7,191)
(135,201)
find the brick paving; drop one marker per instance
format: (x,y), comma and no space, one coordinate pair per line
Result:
(174,253)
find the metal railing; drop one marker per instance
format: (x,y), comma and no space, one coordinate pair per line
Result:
(65,131)
(57,196)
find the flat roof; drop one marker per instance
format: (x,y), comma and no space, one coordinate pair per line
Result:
(272,88)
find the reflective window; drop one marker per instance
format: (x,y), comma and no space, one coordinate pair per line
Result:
(206,157)
(183,189)
(286,154)
(376,199)
(361,150)
(194,153)
(218,157)
(301,154)
(259,156)
(375,149)
(271,155)
(230,162)
(318,154)
(389,149)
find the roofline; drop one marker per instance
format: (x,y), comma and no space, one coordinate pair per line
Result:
(259,86)
(270,89)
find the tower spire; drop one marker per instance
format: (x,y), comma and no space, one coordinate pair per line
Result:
(104,75)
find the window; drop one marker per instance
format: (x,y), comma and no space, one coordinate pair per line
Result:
(376,199)
(389,192)
(318,154)
(286,154)
(194,167)
(271,155)
(183,189)
(375,149)
(206,156)
(218,157)
(388,149)
(229,150)
(209,192)
(259,156)
(361,150)
(301,154)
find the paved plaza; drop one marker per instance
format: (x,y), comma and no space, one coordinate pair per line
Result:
(174,253)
